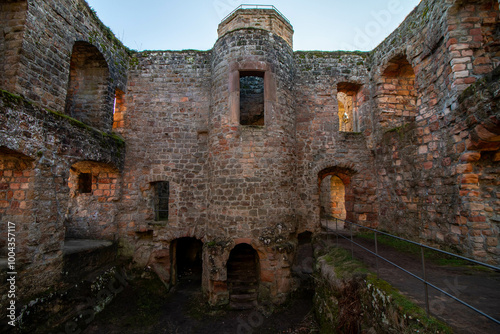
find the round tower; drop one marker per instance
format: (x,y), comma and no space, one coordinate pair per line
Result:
(252,146)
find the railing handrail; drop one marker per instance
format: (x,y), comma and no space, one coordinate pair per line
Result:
(422,246)
(250,6)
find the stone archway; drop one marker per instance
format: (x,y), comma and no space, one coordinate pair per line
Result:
(243,277)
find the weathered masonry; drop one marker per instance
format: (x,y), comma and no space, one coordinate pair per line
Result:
(218,160)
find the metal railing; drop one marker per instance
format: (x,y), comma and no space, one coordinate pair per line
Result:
(422,279)
(246,6)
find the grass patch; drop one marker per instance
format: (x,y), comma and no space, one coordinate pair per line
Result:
(409,248)
(343,263)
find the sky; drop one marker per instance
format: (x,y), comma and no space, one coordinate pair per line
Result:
(326,25)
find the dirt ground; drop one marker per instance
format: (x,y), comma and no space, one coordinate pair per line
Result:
(478,287)
(146,307)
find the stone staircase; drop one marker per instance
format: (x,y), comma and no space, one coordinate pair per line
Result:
(242,281)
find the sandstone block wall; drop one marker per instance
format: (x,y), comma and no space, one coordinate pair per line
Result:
(419,192)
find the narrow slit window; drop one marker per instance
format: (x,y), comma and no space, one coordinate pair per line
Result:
(161,200)
(252,98)
(85,183)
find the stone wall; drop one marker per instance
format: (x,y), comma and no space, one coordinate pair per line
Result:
(322,149)
(419,193)
(13,24)
(165,116)
(45,47)
(92,214)
(50,143)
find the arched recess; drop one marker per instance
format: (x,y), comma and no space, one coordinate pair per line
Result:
(349,99)
(16,179)
(396,93)
(89,98)
(243,272)
(94,194)
(12,26)
(186,257)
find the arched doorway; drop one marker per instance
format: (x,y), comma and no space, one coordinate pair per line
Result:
(332,197)
(243,277)
(187,265)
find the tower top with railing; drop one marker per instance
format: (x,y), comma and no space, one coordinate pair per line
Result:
(264,17)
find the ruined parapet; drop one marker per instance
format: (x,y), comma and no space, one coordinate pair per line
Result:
(257,17)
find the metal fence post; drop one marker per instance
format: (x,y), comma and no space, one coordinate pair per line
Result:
(376,252)
(425,281)
(328,230)
(352,244)
(337,230)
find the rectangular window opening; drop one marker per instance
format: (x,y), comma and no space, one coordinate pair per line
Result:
(252,98)
(85,183)
(161,200)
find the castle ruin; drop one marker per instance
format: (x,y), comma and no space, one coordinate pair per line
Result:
(227,157)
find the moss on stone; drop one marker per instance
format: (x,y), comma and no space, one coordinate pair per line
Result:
(329,54)
(483,83)
(11,100)
(416,317)
(376,297)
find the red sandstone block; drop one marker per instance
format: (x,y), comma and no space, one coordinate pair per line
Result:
(19,195)
(470,178)
(470,156)
(483,69)
(428,165)
(476,31)
(266,276)
(477,219)
(219,286)
(472,19)
(464,168)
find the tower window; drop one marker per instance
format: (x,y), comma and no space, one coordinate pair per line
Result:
(85,183)
(161,200)
(252,98)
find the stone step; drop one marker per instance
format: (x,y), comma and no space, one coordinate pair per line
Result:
(243,305)
(243,297)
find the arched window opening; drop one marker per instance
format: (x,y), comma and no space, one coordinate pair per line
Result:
(397,95)
(119,109)
(161,200)
(89,97)
(13,18)
(243,277)
(187,264)
(349,102)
